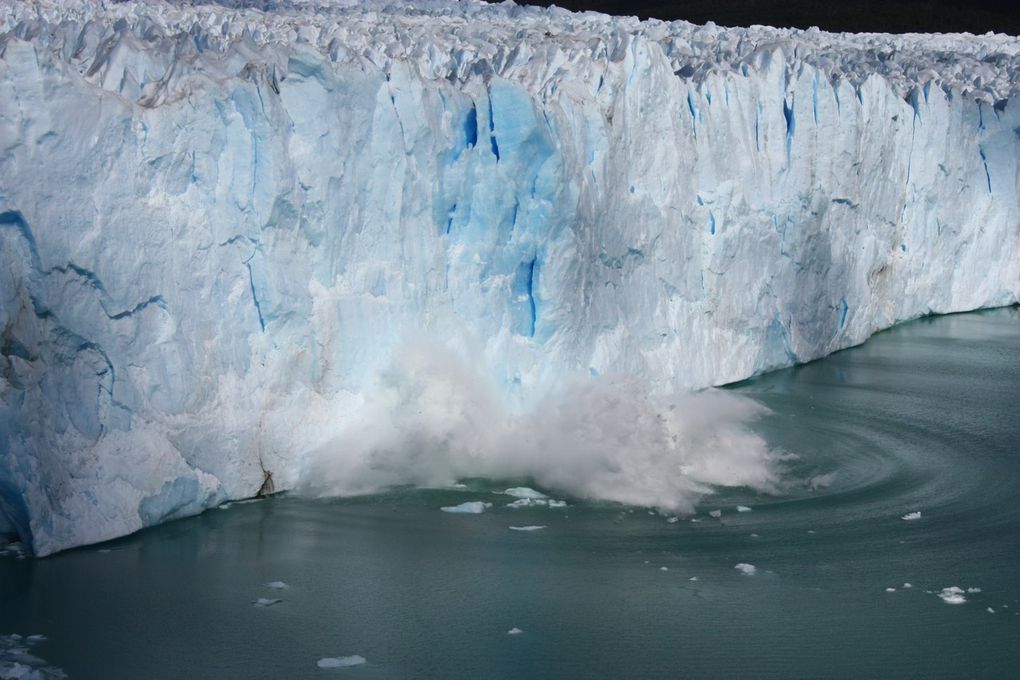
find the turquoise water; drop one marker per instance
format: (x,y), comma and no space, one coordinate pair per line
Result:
(921,418)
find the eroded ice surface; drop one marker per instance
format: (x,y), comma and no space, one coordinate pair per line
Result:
(217,227)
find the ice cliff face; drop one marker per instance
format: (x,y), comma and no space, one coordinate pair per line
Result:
(216,225)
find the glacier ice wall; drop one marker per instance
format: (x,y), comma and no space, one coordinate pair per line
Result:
(217,225)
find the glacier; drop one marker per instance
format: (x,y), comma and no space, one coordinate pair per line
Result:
(220,224)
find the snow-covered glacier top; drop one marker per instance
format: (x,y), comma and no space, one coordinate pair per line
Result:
(450,39)
(339,246)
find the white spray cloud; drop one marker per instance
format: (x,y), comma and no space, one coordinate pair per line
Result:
(430,419)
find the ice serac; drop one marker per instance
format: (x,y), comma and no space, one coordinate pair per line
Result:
(216,224)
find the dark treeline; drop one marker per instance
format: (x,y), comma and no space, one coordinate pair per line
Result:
(888,16)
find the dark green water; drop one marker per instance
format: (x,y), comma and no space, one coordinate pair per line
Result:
(921,418)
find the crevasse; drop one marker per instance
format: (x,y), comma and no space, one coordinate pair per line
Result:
(218,224)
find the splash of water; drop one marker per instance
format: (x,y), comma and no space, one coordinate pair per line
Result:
(431,419)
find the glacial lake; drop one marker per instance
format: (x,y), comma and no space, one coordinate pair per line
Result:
(922,418)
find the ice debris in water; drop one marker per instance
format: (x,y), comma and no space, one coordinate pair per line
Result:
(743,508)
(952,595)
(890,590)
(14,549)
(746,569)
(17,663)
(990,610)
(663,568)
(530,527)
(524,492)
(715,513)
(341,661)
(912,515)
(514,631)
(973,590)
(673,520)
(277,585)
(693,578)
(266,602)
(468,508)
(535,502)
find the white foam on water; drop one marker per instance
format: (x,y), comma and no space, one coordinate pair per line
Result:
(743,508)
(746,569)
(973,590)
(907,585)
(514,631)
(715,513)
(663,568)
(530,527)
(890,590)
(693,578)
(952,595)
(911,516)
(341,661)
(557,504)
(990,610)
(673,520)
(277,585)
(468,508)
(266,602)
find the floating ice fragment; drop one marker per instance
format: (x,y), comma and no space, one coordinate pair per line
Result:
(527,503)
(912,515)
(890,590)
(524,492)
(952,595)
(663,568)
(277,585)
(746,569)
(990,610)
(266,602)
(907,585)
(340,661)
(514,631)
(557,504)
(743,508)
(715,513)
(469,508)
(754,535)
(530,527)
(973,590)
(672,520)
(693,578)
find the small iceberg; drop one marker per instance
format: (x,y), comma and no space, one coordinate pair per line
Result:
(341,661)
(743,508)
(911,516)
(277,585)
(530,527)
(524,492)
(469,508)
(746,569)
(266,602)
(952,595)
(514,631)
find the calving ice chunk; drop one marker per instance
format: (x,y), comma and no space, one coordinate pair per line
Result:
(219,224)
